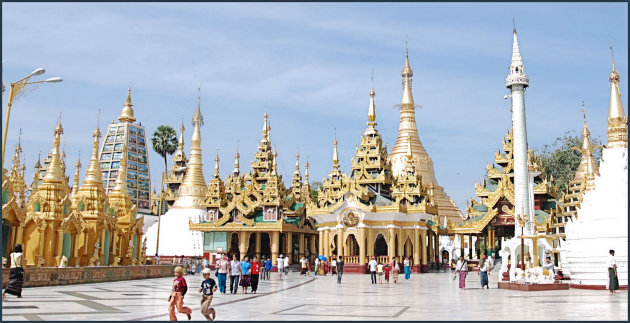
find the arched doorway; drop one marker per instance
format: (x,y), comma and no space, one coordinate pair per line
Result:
(352,246)
(333,246)
(380,246)
(234,245)
(265,247)
(67,245)
(408,248)
(106,249)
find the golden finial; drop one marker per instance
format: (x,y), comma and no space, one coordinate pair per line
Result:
(93,174)
(77,165)
(306,171)
(126,115)
(335,154)
(372,107)
(297,161)
(275,163)
(53,171)
(617,130)
(514,25)
(216,165)
(236,163)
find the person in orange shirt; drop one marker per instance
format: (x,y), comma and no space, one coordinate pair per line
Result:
(177,295)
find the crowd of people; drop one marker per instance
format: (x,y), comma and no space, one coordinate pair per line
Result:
(247,272)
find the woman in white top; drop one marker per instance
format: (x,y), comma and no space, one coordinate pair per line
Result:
(407,268)
(16,273)
(613,280)
(462,269)
(395,269)
(333,266)
(484,267)
(280,266)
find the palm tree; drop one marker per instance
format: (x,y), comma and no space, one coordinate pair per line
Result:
(164,141)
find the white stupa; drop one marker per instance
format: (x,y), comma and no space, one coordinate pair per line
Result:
(602,218)
(175,237)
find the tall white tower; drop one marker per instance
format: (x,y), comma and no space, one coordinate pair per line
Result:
(517,81)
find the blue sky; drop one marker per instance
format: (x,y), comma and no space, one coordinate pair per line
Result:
(310,64)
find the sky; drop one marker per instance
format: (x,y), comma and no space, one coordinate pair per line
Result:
(309,65)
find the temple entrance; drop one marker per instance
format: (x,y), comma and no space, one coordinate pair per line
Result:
(67,245)
(295,249)
(106,249)
(333,246)
(352,248)
(251,246)
(233,245)
(265,245)
(380,246)
(408,248)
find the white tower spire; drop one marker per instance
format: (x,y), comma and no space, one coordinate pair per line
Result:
(517,81)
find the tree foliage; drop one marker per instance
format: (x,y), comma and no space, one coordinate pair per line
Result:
(315,187)
(562,158)
(164,142)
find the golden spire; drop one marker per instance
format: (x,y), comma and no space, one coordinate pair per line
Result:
(588,167)
(236,170)
(53,171)
(126,115)
(216,165)
(297,163)
(194,185)
(75,186)
(93,174)
(265,129)
(335,156)
(407,73)
(180,144)
(617,130)
(372,109)
(121,180)
(274,172)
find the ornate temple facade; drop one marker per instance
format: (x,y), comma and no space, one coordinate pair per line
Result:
(80,224)
(254,213)
(491,219)
(376,211)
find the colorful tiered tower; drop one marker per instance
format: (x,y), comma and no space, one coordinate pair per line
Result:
(127,132)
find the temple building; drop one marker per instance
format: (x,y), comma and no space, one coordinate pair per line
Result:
(376,211)
(127,132)
(490,221)
(13,203)
(408,134)
(601,222)
(254,213)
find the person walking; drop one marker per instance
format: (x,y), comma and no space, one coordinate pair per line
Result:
(280,266)
(204,264)
(304,264)
(387,270)
(461,269)
(268,266)
(246,273)
(207,289)
(613,279)
(157,259)
(317,262)
(333,266)
(395,270)
(235,274)
(380,272)
(16,273)
(223,268)
(484,267)
(339,269)
(286,265)
(255,274)
(372,266)
(176,300)
(407,268)
(263,267)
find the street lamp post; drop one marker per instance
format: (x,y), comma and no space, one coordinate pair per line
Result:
(13,93)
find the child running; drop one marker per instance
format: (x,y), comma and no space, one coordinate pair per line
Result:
(177,295)
(208,287)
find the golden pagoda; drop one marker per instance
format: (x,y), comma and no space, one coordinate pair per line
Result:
(175,176)
(492,217)
(617,130)
(408,135)
(92,204)
(47,231)
(373,212)
(129,228)
(253,213)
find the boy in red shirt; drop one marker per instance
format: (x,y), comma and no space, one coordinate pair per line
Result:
(177,295)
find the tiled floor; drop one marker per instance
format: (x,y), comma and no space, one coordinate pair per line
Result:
(432,296)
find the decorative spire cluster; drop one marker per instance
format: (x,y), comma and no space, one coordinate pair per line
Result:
(53,171)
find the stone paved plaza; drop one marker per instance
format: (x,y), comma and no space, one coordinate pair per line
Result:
(431,296)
